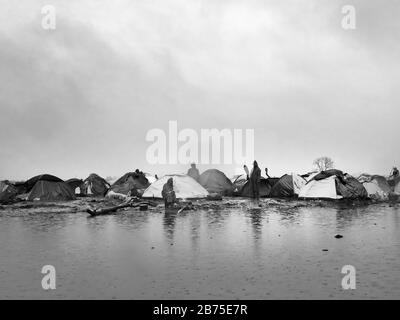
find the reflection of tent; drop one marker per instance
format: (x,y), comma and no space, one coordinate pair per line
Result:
(377,186)
(129,181)
(288,186)
(185,187)
(95,185)
(215,181)
(7,192)
(48,188)
(333,184)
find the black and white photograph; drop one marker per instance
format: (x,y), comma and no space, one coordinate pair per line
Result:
(187,150)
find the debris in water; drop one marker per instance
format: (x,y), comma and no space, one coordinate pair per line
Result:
(338,236)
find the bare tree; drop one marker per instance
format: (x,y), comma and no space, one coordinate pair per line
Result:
(323,163)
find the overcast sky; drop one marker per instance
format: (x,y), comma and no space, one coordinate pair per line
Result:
(81,98)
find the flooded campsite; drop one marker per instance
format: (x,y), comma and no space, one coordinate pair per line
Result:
(235,248)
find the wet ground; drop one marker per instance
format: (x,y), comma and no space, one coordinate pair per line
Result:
(235,249)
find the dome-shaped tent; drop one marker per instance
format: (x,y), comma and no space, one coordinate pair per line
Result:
(185,187)
(95,185)
(289,185)
(48,188)
(215,181)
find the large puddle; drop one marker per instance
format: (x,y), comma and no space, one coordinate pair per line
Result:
(277,251)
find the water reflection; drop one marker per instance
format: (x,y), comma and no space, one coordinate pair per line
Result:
(169,222)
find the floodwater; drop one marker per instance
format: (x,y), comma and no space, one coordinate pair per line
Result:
(242,251)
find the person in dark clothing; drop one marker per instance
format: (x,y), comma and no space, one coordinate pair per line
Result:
(395,172)
(266,173)
(168,193)
(194,172)
(255,176)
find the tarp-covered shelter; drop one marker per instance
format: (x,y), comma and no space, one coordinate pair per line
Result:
(377,186)
(333,184)
(215,181)
(95,185)
(129,182)
(185,187)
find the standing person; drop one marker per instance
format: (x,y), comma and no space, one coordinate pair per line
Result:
(168,193)
(255,176)
(194,172)
(266,173)
(395,172)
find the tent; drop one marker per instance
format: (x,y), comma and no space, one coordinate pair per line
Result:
(130,181)
(215,181)
(75,184)
(288,185)
(30,183)
(377,186)
(397,186)
(333,184)
(95,185)
(45,190)
(7,192)
(264,188)
(185,187)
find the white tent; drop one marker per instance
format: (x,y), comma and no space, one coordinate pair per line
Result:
(325,188)
(185,187)
(397,187)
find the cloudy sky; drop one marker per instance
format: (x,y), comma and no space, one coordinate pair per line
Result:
(81,98)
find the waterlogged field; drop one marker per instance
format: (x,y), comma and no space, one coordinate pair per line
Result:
(229,250)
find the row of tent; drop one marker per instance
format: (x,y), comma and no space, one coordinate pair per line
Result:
(330,184)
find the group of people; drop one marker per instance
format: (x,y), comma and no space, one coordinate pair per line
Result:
(254,177)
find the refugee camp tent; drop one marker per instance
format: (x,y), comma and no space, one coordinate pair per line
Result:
(397,186)
(75,184)
(333,184)
(263,185)
(47,187)
(30,183)
(150,177)
(288,185)
(215,181)
(377,186)
(45,190)
(130,181)
(95,185)
(7,192)
(185,187)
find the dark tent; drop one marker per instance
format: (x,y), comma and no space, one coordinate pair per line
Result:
(264,188)
(45,190)
(287,186)
(215,181)
(95,185)
(7,192)
(130,181)
(74,183)
(29,184)
(351,188)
